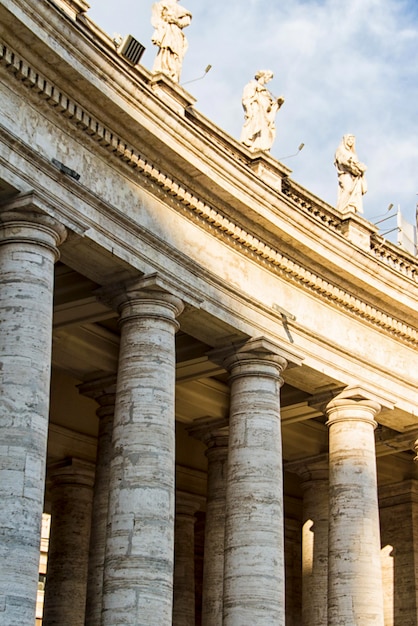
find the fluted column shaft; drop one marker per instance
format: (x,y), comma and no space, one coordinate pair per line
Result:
(28,251)
(355,583)
(71,494)
(138,581)
(254,543)
(213,564)
(103,391)
(184,549)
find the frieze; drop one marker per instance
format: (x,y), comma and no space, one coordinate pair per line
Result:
(211,218)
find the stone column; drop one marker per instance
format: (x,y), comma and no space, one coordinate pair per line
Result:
(184,576)
(28,251)
(293,571)
(138,580)
(103,391)
(71,493)
(254,544)
(213,564)
(399,529)
(355,595)
(214,433)
(315,487)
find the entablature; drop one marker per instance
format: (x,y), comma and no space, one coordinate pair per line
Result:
(288,232)
(132,107)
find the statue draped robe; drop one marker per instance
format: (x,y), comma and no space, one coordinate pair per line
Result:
(168,19)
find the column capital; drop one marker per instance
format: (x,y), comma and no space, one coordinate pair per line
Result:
(356,393)
(356,403)
(343,402)
(25,219)
(103,391)
(254,353)
(187,503)
(149,296)
(98,388)
(71,471)
(211,432)
(309,469)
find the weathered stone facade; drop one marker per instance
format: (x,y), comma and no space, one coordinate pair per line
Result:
(186,334)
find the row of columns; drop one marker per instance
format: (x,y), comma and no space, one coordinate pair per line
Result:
(70,511)
(132,561)
(341,569)
(341,564)
(315,536)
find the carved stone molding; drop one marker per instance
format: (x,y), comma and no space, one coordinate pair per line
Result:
(212,219)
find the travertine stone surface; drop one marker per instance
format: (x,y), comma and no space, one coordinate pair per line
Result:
(399,527)
(138,581)
(254,550)
(103,391)
(293,570)
(28,251)
(355,583)
(71,493)
(184,548)
(213,565)
(315,546)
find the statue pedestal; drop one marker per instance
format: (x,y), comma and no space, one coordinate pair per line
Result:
(268,169)
(358,230)
(173,94)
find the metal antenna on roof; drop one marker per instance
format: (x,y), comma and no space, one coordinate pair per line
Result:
(207,69)
(289,156)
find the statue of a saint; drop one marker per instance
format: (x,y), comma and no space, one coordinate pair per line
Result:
(169,18)
(260,108)
(352,184)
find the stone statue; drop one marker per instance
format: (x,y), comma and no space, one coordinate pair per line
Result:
(352,184)
(260,108)
(168,19)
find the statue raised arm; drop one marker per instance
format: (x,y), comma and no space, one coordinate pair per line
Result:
(352,184)
(260,108)
(168,19)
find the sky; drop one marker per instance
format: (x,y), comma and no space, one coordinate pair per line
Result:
(342,67)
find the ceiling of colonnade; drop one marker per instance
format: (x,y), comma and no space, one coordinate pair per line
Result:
(85,347)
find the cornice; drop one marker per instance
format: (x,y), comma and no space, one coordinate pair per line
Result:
(210,218)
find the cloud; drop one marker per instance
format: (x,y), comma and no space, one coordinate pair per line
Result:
(342,67)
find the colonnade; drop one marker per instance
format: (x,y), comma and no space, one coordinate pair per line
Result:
(129,576)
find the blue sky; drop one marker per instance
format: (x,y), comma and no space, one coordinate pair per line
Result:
(343,67)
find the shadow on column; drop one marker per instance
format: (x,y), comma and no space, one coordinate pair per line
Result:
(399,517)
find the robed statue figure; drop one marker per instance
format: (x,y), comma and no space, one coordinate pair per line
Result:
(168,19)
(352,184)
(260,108)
